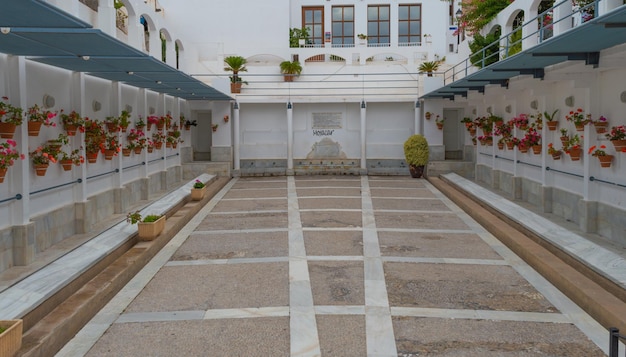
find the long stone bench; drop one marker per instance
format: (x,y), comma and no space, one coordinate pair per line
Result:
(27,294)
(600,259)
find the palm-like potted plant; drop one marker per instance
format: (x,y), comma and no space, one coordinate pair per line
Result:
(416,153)
(235,64)
(290,69)
(430,66)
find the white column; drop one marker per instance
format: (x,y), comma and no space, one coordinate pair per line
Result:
(529,41)
(77,103)
(363,135)
(608,5)
(116,110)
(237,164)
(135,32)
(562,13)
(289,138)
(142,111)
(106,17)
(419,124)
(20,173)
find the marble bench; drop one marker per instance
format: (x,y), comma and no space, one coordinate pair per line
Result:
(21,298)
(598,258)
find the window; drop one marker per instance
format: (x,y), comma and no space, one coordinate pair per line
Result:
(409,24)
(343,25)
(378,24)
(313,19)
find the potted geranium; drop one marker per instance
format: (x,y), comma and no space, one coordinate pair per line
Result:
(152,120)
(148,227)
(601,124)
(38,117)
(42,157)
(136,140)
(574,149)
(198,190)
(72,122)
(416,154)
(10,118)
(439,121)
(600,153)
(111,146)
(579,118)
(8,155)
(554,152)
(158,138)
(617,135)
(72,158)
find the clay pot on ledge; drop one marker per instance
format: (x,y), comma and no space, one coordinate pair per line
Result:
(605,161)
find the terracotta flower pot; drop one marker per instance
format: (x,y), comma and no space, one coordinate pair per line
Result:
(556,156)
(40,169)
(574,154)
(126,152)
(67,164)
(510,145)
(7,130)
(416,171)
(523,148)
(137,150)
(580,127)
(601,127)
(158,146)
(440,126)
(536,149)
(150,149)
(34,127)
(3,173)
(92,157)
(71,129)
(108,154)
(552,125)
(619,144)
(501,146)
(605,161)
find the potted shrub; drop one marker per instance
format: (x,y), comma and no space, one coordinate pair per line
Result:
(235,64)
(148,227)
(416,154)
(10,118)
(72,122)
(298,37)
(430,66)
(290,69)
(198,190)
(10,337)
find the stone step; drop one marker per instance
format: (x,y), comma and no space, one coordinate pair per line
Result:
(461,168)
(193,169)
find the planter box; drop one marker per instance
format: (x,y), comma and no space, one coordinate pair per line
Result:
(11,339)
(149,231)
(198,193)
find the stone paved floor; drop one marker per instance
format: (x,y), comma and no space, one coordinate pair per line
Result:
(337,266)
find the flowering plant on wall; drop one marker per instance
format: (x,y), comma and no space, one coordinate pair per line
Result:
(8,154)
(520,121)
(44,155)
(73,119)
(552,150)
(10,114)
(597,151)
(74,156)
(531,138)
(578,117)
(37,114)
(617,133)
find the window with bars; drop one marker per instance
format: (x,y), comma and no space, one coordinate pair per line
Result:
(343,25)
(409,24)
(378,24)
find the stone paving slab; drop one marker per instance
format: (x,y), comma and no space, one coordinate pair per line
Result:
(410,204)
(332,219)
(200,246)
(223,286)
(327,182)
(267,336)
(401,192)
(380,182)
(251,205)
(439,245)
(341,335)
(462,286)
(337,283)
(411,220)
(416,336)
(328,242)
(329,203)
(256,193)
(244,221)
(277,183)
(328,191)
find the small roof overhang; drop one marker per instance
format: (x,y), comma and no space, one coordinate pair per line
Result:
(45,34)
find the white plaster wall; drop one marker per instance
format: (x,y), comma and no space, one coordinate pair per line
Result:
(388,127)
(263,131)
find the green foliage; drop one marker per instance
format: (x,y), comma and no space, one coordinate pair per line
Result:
(491,48)
(235,64)
(295,34)
(429,66)
(291,67)
(151,218)
(477,13)
(416,150)
(134,217)
(515,42)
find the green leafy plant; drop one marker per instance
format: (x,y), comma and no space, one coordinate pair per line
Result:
(198,184)
(296,34)
(135,217)
(480,58)
(430,66)
(551,117)
(290,69)
(416,150)
(10,114)
(235,64)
